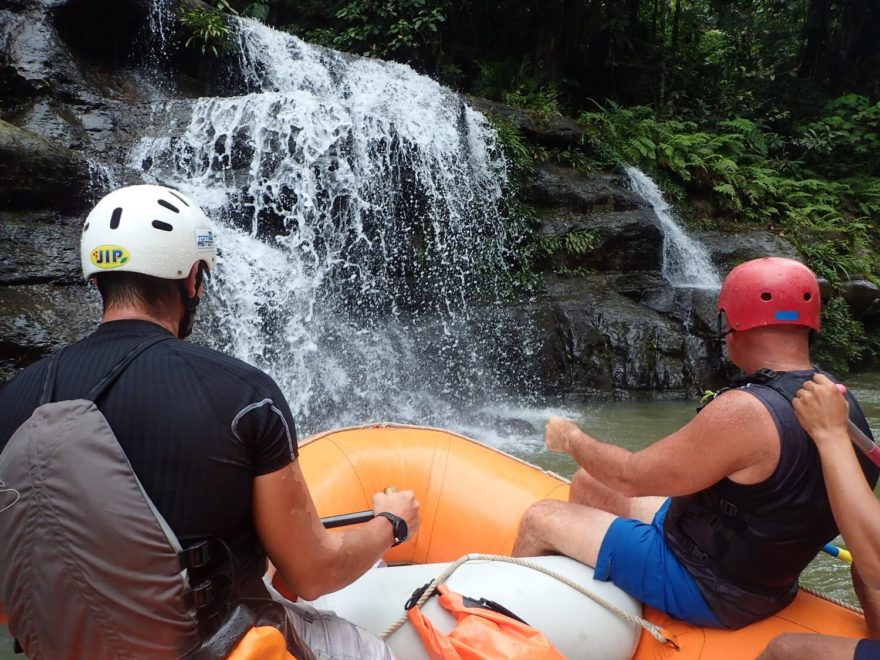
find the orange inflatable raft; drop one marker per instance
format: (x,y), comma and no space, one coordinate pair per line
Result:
(472,497)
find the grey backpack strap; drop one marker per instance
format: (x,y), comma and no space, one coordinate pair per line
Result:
(47,388)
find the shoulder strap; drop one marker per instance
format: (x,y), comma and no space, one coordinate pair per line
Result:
(47,390)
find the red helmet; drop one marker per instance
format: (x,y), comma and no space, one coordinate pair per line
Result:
(770,291)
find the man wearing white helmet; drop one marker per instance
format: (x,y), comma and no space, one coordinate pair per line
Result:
(210,439)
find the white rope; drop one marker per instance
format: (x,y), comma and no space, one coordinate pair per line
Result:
(832,599)
(655,631)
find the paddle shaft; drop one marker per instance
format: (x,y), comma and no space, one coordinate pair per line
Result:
(859,439)
(353,518)
(347,519)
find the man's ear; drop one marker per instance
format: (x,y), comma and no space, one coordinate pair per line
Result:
(190,283)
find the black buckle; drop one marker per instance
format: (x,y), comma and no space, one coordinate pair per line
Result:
(203,594)
(416,595)
(728,508)
(491,605)
(195,556)
(716,524)
(693,549)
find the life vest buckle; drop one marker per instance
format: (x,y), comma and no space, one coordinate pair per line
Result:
(728,508)
(203,594)
(195,556)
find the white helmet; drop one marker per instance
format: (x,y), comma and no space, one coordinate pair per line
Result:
(145,229)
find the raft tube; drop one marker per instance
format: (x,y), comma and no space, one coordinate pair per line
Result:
(472,498)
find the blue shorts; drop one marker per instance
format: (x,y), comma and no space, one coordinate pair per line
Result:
(867,649)
(635,557)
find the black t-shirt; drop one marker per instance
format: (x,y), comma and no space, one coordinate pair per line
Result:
(197,425)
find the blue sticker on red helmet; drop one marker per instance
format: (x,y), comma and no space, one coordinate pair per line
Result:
(785,315)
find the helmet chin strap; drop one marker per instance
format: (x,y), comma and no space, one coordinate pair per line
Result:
(190,305)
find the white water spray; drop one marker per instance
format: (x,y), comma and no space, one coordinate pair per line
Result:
(360,220)
(685,262)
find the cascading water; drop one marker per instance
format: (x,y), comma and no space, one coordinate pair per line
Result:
(686,264)
(361,223)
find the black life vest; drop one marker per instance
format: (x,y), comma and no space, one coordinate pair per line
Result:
(746,545)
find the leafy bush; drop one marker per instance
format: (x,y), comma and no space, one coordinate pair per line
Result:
(207,31)
(383,28)
(842,341)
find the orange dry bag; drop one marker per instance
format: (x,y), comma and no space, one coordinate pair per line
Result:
(481,634)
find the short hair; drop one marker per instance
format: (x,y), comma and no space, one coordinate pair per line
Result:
(126,289)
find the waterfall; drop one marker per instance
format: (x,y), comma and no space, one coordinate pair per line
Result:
(686,264)
(360,214)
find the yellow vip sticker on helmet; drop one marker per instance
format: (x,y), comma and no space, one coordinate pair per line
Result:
(110,256)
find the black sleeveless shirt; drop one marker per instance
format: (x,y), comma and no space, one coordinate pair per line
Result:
(746,545)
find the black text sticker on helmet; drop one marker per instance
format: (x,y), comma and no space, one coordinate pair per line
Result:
(204,239)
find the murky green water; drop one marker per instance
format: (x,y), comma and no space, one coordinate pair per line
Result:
(636,424)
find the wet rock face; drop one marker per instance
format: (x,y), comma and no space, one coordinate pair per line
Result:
(604,319)
(35,174)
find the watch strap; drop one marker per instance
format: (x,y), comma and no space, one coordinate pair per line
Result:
(396,523)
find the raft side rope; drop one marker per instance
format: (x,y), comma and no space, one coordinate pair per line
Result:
(832,599)
(655,631)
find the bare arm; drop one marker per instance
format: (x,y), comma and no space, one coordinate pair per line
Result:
(823,413)
(732,437)
(311,560)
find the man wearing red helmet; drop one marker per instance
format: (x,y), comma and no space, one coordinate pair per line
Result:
(713,523)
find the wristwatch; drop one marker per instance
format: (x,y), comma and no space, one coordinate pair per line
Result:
(398,525)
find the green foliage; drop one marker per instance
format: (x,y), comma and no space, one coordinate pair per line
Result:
(258,10)
(514,84)
(383,28)
(225,6)
(842,341)
(520,154)
(846,136)
(573,243)
(207,30)
(833,222)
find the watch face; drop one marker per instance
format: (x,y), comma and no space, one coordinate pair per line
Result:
(398,526)
(400,530)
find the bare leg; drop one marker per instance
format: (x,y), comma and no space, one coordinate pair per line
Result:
(809,646)
(553,527)
(589,491)
(870,600)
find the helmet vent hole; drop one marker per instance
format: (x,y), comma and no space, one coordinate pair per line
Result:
(115,217)
(169,206)
(808,296)
(766,295)
(182,200)
(164,226)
